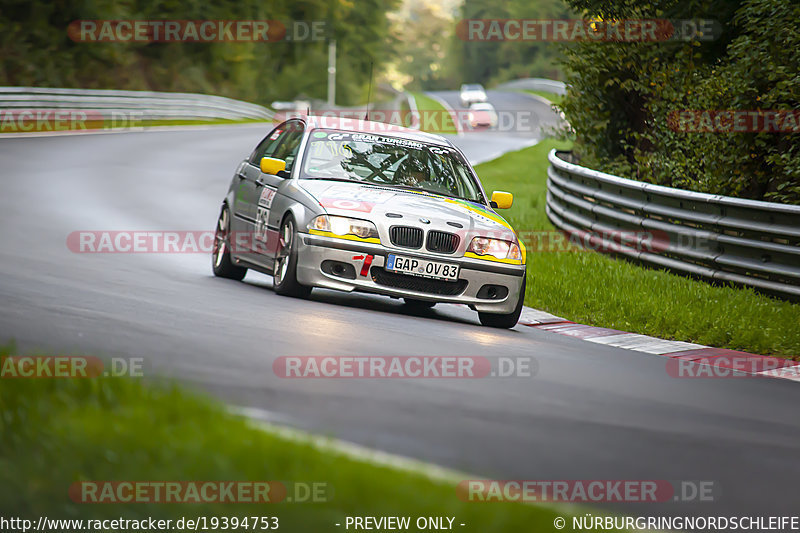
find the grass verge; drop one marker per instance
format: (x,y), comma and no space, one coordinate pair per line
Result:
(215,122)
(122,124)
(595,289)
(55,432)
(434,118)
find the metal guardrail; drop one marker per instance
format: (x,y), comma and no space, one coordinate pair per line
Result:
(716,237)
(536,84)
(153,105)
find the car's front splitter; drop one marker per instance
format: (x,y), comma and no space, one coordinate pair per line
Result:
(364,258)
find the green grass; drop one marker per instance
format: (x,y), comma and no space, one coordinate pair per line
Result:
(595,289)
(54,432)
(438,119)
(552,97)
(182,122)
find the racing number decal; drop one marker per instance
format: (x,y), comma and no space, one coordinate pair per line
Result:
(366,265)
(267,195)
(264,203)
(261,225)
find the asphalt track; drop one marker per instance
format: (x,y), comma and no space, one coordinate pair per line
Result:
(522,121)
(590,412)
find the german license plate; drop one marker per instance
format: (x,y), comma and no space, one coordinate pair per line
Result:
(422,267)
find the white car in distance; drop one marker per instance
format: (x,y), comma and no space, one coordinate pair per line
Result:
(472,93)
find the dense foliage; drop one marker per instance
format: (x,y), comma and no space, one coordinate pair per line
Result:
(497,61)
(36,49)
(624,95)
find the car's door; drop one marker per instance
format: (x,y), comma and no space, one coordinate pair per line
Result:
(244,209)
(266,186)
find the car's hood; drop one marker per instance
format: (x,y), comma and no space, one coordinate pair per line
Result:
(382,205)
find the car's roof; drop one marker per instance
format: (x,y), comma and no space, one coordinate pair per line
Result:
(375,128)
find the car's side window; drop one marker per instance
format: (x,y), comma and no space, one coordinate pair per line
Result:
(267,147)
(290,144)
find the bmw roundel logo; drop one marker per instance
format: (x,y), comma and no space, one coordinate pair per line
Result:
(425,221)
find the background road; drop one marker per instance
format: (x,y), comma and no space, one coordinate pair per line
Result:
(522,121)
(591,412)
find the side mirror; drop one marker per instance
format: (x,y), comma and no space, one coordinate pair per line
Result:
(501,200)
(270,165)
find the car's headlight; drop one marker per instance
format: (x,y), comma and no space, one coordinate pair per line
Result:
(363,229)
(495,247)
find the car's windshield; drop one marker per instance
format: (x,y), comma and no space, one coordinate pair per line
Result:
(472,88)
(389,162)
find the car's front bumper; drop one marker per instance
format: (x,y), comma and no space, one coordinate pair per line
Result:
(312,250)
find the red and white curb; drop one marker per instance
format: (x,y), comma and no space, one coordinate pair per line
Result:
(721,362)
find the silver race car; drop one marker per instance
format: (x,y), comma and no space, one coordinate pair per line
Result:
(355,205)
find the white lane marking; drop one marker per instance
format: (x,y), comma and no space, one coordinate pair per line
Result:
(258,418)
(264,420)
(664,347)
(450,110)
(652,345)
(262,415)
(620,340)
(544,100)
(541,99)
(412,106)
(644,343)
(534,316)
(631,341)
(790,372)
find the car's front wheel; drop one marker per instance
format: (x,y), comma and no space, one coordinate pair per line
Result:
(221,255)
(285,270)
(505,320)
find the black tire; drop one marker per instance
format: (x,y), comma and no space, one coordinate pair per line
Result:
(285,270)
(418,304)
(221,262)
(508,320)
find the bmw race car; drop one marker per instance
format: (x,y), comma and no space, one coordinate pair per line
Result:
(356,205)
